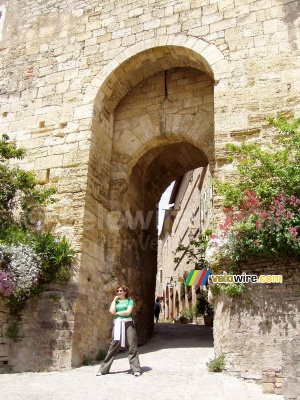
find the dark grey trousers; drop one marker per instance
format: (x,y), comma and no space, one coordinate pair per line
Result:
(131,343)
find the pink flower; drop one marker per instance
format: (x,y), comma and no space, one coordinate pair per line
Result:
(264,214)
(7,283)
(293,231)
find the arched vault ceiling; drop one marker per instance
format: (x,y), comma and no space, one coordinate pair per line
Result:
(143,65)
(162,165)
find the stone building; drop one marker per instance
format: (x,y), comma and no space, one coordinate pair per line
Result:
(114,101)
(191,215)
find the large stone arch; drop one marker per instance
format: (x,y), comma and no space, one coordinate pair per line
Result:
(199,52)
(112,249)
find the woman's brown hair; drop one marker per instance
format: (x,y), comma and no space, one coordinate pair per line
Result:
(125,289)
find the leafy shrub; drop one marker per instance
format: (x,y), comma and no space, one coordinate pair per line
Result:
(18,188)
(263,230)
(28,258)
(56,257)
(203,307)
(232,289)
(217,364)
(263,204)
(194,252)
(186,315)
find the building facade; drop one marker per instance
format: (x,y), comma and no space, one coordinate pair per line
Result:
(191,215)
(114,101)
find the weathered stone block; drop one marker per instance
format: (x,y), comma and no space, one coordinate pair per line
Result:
(268,388)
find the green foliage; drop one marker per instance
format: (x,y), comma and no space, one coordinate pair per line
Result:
(16,301)
(13,234)
(29,258)
(217,364)
(55,297)
(13,332)
(34,259)
(186,315)
(56,257)
(232,289)
(267,171)
(18,188)
(194,252)
(263,213)
(86,360)
(8,150)
(263,230)
(203,307)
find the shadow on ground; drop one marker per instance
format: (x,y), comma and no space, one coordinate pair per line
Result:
(170,335)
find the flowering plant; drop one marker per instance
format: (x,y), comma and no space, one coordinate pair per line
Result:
(263,204)
(266,230)
(28,258)
(7,283)
(22,264)
(29,261)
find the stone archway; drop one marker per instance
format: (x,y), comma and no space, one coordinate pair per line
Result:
(165,51)
(153,121)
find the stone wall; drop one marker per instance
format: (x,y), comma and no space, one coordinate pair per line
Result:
(253,330)
(41,338)
(291,369)
(4,343)
(68,69)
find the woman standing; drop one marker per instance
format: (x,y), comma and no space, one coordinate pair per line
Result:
(123,333)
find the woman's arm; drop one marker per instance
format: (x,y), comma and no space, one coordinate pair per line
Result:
(112,308)
(125,312)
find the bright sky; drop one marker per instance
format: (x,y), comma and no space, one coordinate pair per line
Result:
(163,205)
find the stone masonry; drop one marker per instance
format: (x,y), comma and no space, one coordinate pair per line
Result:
(291,369)
(258,331)
(114,100)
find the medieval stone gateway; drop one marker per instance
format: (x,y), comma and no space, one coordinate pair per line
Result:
(113,101)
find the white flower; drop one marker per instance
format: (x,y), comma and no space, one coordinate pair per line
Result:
(216,248)
(24,263)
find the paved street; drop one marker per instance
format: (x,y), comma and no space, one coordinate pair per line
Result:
(173,364)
